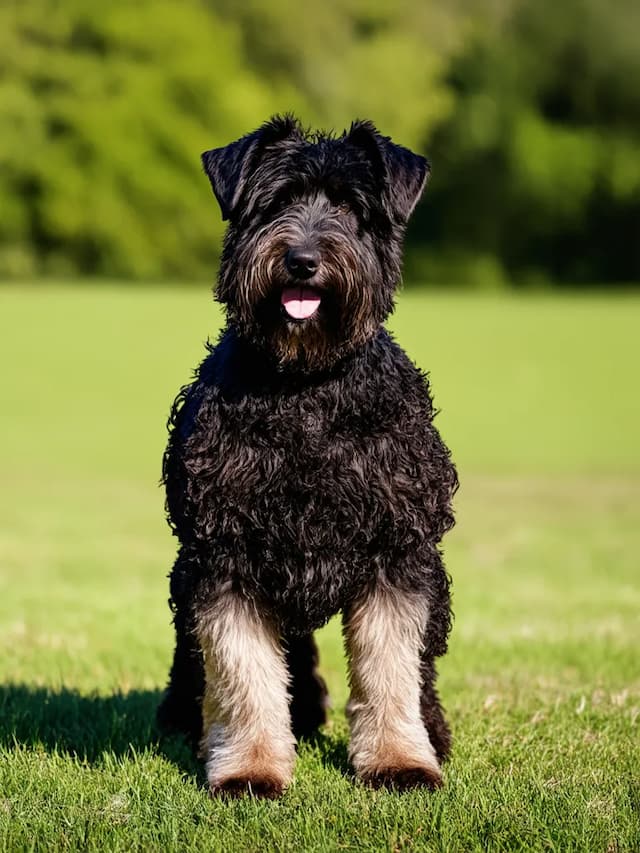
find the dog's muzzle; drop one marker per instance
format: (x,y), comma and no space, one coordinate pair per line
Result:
(301,301)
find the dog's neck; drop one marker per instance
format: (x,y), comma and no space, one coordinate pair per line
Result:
(255,360)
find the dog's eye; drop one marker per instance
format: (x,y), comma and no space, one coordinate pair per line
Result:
(344,207)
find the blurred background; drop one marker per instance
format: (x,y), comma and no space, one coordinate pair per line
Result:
(521,299)
(529,111)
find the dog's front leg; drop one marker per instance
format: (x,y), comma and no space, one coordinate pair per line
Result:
(384,634)
(247,741)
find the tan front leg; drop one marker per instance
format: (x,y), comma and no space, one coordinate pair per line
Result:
(247,741)
(384,635)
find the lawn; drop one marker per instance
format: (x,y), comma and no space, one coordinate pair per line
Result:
(540,405)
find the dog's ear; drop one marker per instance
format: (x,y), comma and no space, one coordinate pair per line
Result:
(230,167)
(404,174)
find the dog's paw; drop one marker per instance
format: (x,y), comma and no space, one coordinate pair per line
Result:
(404,778)
(260,787)
(254,773)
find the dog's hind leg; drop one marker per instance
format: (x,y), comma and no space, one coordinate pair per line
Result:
(247,742)
(431,710)
(390,745)
(309,695)
(180,709)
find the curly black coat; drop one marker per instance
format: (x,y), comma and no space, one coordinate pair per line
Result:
(303,467)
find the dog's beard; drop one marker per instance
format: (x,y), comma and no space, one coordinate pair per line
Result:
(304,324)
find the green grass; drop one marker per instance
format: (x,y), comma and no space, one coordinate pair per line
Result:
(542,683)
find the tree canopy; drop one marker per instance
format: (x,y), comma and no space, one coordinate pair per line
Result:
(529,111)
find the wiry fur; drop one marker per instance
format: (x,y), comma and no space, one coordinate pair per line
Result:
(303,472)
(384,634)
(247,737)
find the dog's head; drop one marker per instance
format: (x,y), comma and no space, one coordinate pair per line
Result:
(312,253)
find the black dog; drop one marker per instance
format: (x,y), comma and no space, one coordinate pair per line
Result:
(304,475)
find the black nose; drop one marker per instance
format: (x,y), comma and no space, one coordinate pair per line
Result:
(301,262)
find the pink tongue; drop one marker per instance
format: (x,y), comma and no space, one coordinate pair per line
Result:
(300,302)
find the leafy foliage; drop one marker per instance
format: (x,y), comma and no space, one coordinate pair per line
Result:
(537,165)
(104,110)
(530,112)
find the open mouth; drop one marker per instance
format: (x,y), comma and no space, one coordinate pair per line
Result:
(300,301)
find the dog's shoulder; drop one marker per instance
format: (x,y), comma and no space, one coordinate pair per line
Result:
(388,376)
(190,397)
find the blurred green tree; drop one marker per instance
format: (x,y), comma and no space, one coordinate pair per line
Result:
(354,59)
(104,110)
(530,112)
(537,173)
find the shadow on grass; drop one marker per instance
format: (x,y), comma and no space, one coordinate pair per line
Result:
(331,750)
(87,727)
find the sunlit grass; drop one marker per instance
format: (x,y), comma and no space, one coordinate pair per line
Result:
(542,682)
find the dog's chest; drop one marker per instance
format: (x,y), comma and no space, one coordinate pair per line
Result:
(302,498)
(303,474)
(307,458)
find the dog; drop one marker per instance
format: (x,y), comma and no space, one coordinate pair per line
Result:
(304,476)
